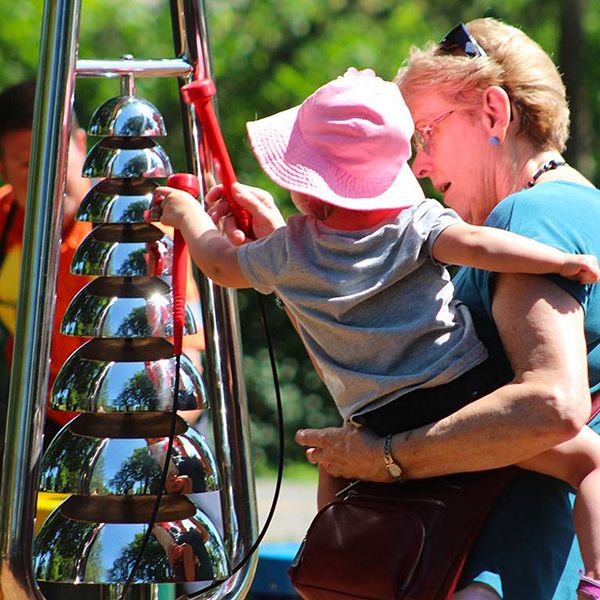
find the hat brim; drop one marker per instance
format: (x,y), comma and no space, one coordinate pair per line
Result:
(291,163)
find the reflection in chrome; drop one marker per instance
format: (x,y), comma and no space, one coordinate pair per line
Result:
(71,549)
(127,116)
(78,463)
(117,201)
(126,257)
(125,378)
(121,307)
(143,158)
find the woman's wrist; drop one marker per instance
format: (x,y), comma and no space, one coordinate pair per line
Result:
(398,447)
(393,466)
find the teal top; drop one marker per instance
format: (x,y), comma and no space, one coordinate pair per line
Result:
(527,549)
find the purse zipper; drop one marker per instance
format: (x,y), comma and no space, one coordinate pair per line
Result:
(355,495)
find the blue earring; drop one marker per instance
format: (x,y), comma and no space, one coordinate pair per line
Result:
(494,141)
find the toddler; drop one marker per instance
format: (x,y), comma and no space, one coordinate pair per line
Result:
(361,272)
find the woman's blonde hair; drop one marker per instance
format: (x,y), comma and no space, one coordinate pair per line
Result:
(514,62)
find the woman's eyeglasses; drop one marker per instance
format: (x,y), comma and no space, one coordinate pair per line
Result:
(422,136)
(459,38)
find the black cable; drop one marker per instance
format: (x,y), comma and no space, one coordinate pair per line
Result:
(164,474)
(163,481)
(279,412)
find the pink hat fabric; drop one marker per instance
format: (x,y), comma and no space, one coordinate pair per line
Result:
(347,144)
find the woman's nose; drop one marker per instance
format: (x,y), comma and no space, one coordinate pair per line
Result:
(421,166)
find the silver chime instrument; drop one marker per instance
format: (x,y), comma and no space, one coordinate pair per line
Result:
(109,460)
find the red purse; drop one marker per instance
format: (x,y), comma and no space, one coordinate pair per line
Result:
(395,541)
(404,541)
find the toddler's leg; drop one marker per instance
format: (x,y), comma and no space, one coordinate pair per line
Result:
(578,462)
(328,487)
(477,591)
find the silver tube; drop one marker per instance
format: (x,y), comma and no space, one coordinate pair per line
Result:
(174,67)
(29,377)
(225,379)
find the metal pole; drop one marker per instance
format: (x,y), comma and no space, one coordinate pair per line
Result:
(29,377)
(228,402)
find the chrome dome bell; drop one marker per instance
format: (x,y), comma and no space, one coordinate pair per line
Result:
(127,116)
(96,540)
(123,455)
(120,307)
(122,158)
(126,375)
(117,201)
(124,251)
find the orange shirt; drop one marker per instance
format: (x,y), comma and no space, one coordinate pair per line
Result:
(62,345)
(10,272)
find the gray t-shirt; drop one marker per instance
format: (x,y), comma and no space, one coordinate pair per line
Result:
(375,311)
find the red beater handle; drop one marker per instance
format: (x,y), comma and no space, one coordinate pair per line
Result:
(200,93)
(187,183)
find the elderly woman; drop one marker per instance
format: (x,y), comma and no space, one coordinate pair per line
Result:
(491,120)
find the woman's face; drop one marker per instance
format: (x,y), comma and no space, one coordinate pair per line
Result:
(454,156)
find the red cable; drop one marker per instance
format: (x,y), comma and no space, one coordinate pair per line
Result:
(187,183)
(200,93)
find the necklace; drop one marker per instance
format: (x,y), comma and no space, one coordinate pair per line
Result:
(549,166)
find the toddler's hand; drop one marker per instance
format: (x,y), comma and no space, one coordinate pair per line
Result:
(259,203)
(173,206)
(581,267)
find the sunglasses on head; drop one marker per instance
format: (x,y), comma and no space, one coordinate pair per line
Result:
(459,38)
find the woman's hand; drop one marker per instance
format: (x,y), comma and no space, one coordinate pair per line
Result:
(351,452)
(266,217)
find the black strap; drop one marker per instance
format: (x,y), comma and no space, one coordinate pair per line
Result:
(595,406)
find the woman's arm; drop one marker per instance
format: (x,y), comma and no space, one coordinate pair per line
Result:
(547,402)
(506,252)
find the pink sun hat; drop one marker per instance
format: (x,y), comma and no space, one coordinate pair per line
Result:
(347,144)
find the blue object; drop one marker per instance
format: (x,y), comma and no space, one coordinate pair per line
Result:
(271,579)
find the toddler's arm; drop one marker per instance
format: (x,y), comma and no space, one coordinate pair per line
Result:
(505,252)
(215,256)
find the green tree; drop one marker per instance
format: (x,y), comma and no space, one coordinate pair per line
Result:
(139,474)
(153,566)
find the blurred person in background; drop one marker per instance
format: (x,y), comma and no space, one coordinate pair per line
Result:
(16,119)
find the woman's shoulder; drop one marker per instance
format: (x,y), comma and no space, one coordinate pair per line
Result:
(550,201)
(553,193)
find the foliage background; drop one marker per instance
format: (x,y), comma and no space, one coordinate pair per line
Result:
(270,54)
